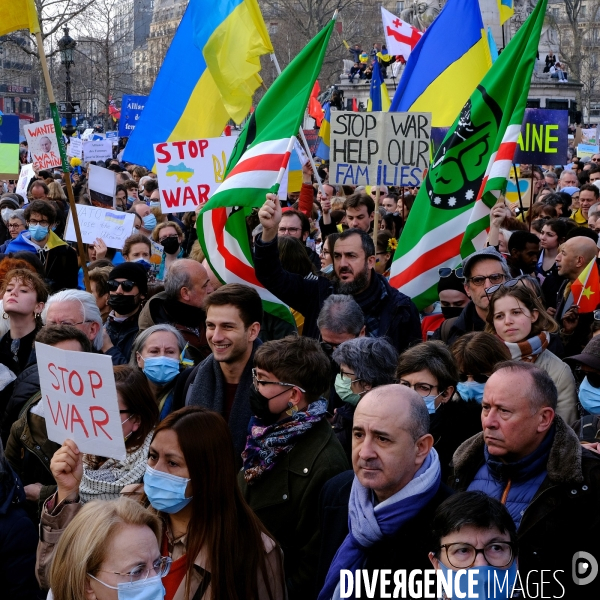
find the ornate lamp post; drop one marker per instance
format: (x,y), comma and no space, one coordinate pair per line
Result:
(66,45)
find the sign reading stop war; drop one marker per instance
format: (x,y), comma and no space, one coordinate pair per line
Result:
(80,400)
(379,148)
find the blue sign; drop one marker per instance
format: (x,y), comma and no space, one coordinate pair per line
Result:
(9,146)
(544,137)
(112,135)
(131,109)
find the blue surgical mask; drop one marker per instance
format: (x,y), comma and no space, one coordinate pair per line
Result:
(343,388)
(161,369)
(130,200)
(501,581)
(430,402)
(149,222)
(470,390)
(327,270)
(166,492)
(145,589)
(154,203)
(589,397)
(38,233)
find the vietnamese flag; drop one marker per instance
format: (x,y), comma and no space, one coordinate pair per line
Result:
(315,110)
(586,288)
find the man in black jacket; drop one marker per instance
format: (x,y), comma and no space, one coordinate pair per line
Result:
(378,515)
(388,312)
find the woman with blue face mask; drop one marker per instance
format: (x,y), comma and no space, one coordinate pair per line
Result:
(474,532)
(430,370)
(156,353)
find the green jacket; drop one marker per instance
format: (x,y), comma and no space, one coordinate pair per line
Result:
(286,500)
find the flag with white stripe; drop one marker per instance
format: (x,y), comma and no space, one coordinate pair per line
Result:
(451,215)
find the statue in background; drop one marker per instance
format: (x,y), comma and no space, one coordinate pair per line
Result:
(421,13)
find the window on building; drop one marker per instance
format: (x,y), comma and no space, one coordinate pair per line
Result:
(583,11)
(399,6)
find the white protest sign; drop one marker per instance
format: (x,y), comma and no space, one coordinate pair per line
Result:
(42,144)
(26,175)
(102,184)
(113,136)
(87,134)
(379,147)
(97,150)
(190,172)
(75,147)
(80,400)
(112,226)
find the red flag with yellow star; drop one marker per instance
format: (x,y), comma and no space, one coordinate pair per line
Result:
(586,288)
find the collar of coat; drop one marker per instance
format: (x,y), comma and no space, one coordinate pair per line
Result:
(564,460)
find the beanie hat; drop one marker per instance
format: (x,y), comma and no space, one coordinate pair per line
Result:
(133,272)
(569,190)
(452,282)
(9,200)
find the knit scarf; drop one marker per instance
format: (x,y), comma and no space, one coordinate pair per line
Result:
(529,350)
(369,300)
(369,524)
(266,444)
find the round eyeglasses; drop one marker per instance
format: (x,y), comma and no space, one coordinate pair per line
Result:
(462,555)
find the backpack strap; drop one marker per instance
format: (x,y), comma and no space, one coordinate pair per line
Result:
(445,329)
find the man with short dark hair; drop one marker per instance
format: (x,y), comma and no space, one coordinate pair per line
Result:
(221,382)
(388,312)
(295,224)
(360,211)
(524,252)
(531,460)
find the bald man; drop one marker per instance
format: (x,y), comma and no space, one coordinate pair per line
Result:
(392,458)
(215,282)
(573,257)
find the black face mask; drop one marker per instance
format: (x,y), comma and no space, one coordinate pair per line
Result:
(259,405)
(450,312)
(122,304)
(170,245)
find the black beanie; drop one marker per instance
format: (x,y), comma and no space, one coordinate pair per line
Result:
(452,282)
(133,272)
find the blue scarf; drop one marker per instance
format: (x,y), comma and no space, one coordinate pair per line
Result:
(369,524)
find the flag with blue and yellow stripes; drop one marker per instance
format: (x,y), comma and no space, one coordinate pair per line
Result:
(208,76)
(324,133)
(379,99)
(446,65)
(507,10)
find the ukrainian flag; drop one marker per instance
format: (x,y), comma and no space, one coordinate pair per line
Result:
(446,65)
(379,99)
(208,76)
(325,134)
(507,10)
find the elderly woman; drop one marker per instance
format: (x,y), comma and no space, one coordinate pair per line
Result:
(15,223)
(365,363)
(156,352)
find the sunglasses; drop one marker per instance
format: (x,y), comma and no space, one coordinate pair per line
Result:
(480,378)
(479,280)
(447,271)
(507,284)
(592,376)
(126,285)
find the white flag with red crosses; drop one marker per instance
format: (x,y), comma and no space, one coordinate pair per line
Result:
(400,37)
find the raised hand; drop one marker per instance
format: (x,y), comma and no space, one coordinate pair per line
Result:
(67,469)
(270,217)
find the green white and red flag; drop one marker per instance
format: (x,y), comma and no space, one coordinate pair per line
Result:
(451,215)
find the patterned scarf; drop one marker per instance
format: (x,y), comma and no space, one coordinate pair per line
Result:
(529,350)
(266,444)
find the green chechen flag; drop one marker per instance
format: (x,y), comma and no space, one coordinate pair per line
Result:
(262,151)
(450,218)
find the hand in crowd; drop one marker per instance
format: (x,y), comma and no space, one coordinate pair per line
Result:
(32,491)
(100,248)
(270,217)
(67,469)
(570,320)
(307,173)
(499,213)
(325,206)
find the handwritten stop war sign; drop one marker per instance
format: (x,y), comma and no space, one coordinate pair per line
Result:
(80,400)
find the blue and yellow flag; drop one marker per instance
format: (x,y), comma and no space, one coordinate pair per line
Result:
(379,99)
(507,10)
(492,45)
(446,64)
(208,76)
(325,134)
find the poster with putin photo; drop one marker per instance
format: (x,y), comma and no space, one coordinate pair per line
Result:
(43,145)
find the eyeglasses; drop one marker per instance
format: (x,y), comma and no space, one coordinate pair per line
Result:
(160,566)
(167,237)
(65,323)
(15,225)
(595,159)
(256,381)
(447,271)
(480,280)
(290,230)
(423,389)
(126,285)
(349,376)
(479,378)
(44,223)
(463,556)
(507,284)
(593,377)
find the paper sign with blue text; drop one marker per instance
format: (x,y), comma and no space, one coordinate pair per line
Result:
(80,400)
(112,226)
(190,172)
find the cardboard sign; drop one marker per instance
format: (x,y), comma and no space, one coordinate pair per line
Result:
(75,147)
(512,193)
(379,148)
(112,226)
(131,109)
(43,145)
(544,137)
(190,172)
(97,150)
(27,174)
(589,136)
(102,184)
(80,400)
(587,150)
(9,146)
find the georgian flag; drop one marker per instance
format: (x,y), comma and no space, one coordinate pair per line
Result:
(400,37)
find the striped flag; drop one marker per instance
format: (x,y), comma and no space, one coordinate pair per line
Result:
(450,218)
(379,99)
(325,133)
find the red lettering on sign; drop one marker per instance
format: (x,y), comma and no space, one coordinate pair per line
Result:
(97,385)
(59,414)
(76,418)
(162,150)
(99,423)
(203,146)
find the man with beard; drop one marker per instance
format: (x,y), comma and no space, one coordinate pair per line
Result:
(388,313)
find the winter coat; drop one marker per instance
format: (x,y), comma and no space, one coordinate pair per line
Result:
(396,316)
(286,500)
(564,381)
(562,518)
(123,333)
(451,329)
(26,385)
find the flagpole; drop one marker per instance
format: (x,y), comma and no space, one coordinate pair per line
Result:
(63,156)
(286,160)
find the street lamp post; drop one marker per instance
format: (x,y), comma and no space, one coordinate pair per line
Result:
(66,45)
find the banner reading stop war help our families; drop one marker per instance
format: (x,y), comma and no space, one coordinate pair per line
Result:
(190,172)
(80,400)
(379,148)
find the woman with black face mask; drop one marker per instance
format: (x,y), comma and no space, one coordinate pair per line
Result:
(290,452)
(170,237)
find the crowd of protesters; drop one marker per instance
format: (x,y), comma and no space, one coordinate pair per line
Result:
(267,455)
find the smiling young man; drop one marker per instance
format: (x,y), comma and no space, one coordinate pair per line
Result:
(222,381)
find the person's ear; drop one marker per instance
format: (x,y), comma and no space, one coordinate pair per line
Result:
(253,331)
(184,294)
(363,331)
(89,592)
(535,315)
(546,419)
(371,262)
(94,329)
(139,360)
(136,422)
(447,393)
(434,561)
(467,290)
(423,446)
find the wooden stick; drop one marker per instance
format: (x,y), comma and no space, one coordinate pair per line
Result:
(63,156)
(376,219)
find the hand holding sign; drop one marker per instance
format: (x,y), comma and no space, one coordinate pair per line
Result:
(67,469)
